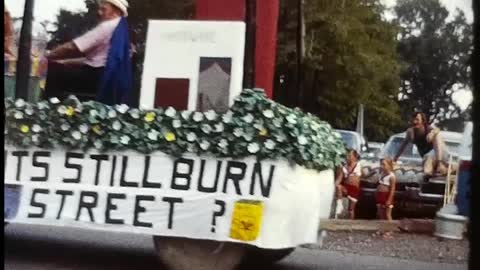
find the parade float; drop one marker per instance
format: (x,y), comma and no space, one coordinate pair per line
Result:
(213,182)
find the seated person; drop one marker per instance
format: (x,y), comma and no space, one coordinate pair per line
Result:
(347,181)
(429,143)
(98,61)
(8,35)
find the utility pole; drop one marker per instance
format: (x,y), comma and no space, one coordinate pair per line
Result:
(24,48)
(250,41)
(300,49)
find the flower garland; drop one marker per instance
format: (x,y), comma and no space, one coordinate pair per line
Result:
(254,126)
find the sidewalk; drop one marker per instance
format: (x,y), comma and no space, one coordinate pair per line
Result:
(421,226)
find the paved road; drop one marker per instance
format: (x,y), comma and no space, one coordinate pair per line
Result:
(48,248)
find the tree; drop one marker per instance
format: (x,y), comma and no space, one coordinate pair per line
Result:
(350,59)
(435,52)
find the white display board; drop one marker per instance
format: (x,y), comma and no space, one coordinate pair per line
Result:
(270,204)
(176,49)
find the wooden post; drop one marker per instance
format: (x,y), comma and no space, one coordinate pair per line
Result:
(25,44)
(250,41)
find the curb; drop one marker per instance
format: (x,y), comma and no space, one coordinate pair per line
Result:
(421,226)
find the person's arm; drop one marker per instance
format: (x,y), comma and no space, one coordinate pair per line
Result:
(408,139)
(64,51)
(339,177)
(391,194)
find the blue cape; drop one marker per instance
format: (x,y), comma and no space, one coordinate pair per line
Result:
(116,83)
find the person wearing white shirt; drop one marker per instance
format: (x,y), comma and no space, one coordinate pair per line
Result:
(79,64)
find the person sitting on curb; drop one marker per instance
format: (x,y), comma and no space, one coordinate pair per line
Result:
(347,182)
(385,190)
(98,61)
(429,143)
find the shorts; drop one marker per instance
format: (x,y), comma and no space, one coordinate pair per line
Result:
(381,198)
(353,192)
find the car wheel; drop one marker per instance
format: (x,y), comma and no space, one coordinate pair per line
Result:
(263,257)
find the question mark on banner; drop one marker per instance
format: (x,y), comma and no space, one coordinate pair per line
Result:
(218,213)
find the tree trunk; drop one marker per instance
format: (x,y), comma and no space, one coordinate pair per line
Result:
(300,49)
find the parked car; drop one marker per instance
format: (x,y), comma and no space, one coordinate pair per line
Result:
(353,140)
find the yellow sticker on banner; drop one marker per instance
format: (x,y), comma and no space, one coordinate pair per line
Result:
(246,220)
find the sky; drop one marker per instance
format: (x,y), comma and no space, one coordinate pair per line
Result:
(47,10)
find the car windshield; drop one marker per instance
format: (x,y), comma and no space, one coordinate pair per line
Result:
(411,150)
(349,140)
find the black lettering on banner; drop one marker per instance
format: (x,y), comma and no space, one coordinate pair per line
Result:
(112,175)
(123,181)
(77,167)
(257,171)
(64,194)
(87,205)
(99,159)
(145,182)
(34,203)
(111,206)
(43,165)
(217,213)
(236,178)
(19,155)
(171,201)
(140,209)
(201,187)
(177,175)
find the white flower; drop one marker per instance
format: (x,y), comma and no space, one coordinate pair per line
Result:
(117,125)
(112,114)
(211,115)
(223,143)
(248,137)
(204,145)
(76,135)
(280,137)
(65,126)
(170,112)
(153,135)
(79,108)
(123,108)
(62,109)
(268,114)
(219,127)
(98,144)
(238,132)
(248,118)
(29,110)
(191,148)
(20,103)
(197,116)
(191,137)
(93,113)
(227,117)
(186,114)
(124,139)
(135,113)
(18,115)
(269,144)
(253,148)
(292,119)
(176,123)
(36,138)
(330,139)
(43,105)
(277,122)
(302,140)
(83,128)
(36,128)
(54,100)
(206,129)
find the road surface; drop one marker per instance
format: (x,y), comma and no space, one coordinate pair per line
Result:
(53,248)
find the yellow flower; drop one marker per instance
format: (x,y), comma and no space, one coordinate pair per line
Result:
(70,111)
(97,129)
(24,128)
(149,117)
(263,132)
(170,137)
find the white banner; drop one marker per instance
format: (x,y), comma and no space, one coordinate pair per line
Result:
(270,204)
